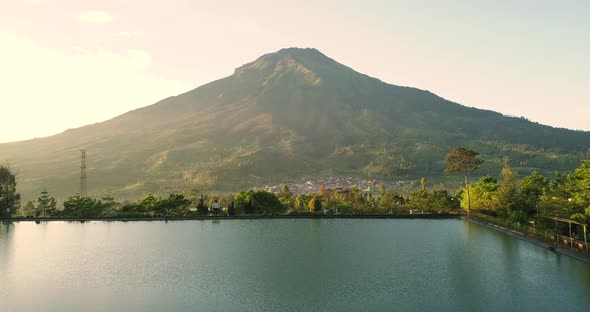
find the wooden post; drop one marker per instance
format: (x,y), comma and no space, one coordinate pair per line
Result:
(585,238)
(556,235)
(571,238)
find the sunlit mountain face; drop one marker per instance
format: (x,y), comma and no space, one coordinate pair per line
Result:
(290,114)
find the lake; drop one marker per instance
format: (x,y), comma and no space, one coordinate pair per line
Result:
(282,265)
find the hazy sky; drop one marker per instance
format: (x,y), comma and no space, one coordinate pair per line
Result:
(67,63)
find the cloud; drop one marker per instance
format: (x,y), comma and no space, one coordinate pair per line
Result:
(95,17)
(45,91)
(128,33)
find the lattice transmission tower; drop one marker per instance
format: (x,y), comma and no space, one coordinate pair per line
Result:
(83,182)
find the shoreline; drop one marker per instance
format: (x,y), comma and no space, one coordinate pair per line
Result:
(243,217)
(532,240)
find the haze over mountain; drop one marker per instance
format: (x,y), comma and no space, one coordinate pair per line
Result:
(286,115)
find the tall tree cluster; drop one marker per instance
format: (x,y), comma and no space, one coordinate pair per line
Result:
(534,197)
(463,161)
(47,206)
(9,198)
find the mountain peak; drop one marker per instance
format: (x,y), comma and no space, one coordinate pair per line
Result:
(306,64)
(298,61)
(299,52)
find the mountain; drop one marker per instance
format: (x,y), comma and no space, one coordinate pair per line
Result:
(287,115)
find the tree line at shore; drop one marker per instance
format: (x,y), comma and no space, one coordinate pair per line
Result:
(505,196)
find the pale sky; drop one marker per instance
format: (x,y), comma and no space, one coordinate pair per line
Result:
(68,63)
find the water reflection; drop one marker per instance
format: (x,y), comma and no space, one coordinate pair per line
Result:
(6,247)
(282,265)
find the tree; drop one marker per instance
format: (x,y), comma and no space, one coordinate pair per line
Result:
(423,184)
(285,191)
(508,192)
(323,191)
(483,194)
(580,186)
(419,200)
(568,194)
(240,203)
(300,203)
(358,201)
(382,188)
(82,207)
(257,202)
(131,209)
(9,198)
(47,205)
(390,201)
(285,196)
(532,188)
(463,161)
(28,209)
(441,201)
(265,202)
(315,204)
(201,207)
(174,205)
(148,203)
(109,201)
(230,209)
(110,205)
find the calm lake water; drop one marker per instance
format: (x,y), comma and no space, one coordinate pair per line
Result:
(282,265)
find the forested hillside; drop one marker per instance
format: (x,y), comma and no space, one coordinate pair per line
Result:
(286,115)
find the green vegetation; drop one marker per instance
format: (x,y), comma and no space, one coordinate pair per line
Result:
(482,194)
(252,202)
(257,202)
(531,199)
(534,197)
(287,115)
(82,207)
(9,198)
(47,205)
(463,160)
